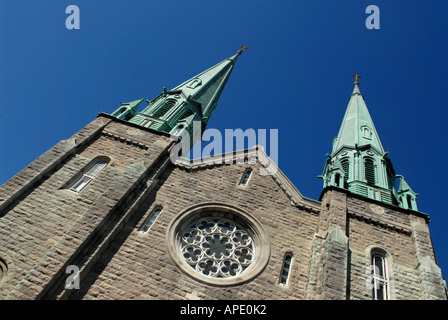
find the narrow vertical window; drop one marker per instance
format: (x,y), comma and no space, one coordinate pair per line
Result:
(380,280)
(345,166)
(246,177)
(150,220)
(284,275)
(408,198)
(369,171)
(337,178)
(87,177)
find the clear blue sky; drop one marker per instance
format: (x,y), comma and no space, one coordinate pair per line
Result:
(295,77)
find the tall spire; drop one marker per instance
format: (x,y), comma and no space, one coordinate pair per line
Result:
(205,88)
(175,110)
(357,128)
(358,161)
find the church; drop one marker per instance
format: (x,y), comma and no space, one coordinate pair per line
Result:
(108,215)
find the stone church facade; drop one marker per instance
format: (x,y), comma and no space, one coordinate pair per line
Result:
(107,214)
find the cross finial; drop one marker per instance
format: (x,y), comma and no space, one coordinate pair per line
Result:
(241,50)
(356,77)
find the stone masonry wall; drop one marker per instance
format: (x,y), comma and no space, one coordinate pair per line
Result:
(375,225)
(138,266)
(46,225)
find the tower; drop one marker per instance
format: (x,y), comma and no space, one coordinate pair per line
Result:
(363,215)
(358,161)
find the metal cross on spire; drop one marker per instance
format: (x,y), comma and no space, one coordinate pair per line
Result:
(356,77)
(242,49)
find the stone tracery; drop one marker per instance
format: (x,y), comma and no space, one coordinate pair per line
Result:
(217,247)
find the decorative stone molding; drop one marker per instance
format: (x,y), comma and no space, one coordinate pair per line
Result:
(125,140)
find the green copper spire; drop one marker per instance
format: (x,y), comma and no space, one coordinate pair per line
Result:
(406,197)
(358,161)
(175,110)
(127,110)
(357,128)
(205,88)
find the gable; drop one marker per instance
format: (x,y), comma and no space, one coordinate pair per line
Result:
(261,165)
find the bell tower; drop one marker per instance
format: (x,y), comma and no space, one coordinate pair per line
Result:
(358,162)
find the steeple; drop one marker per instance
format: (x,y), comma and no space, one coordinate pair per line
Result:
(358,161)
(357,127)
(175,110)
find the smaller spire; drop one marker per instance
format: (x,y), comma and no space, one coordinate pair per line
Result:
(127,109)
(404,186)
(407,198)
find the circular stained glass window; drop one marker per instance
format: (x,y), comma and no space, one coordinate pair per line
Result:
(218,244)
(217,247)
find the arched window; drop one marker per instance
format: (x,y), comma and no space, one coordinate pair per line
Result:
(369,171)
(186,114)
(119,111)
(169,103)
(380,285)
(409,200)
(337,179)
(88,176)
(3,268)
(284,275)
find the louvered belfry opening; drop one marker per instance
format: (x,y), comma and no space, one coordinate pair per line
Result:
(169,103)
(369,171)
(186,114)
(345,166)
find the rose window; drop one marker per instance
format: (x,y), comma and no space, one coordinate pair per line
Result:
(217,248)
